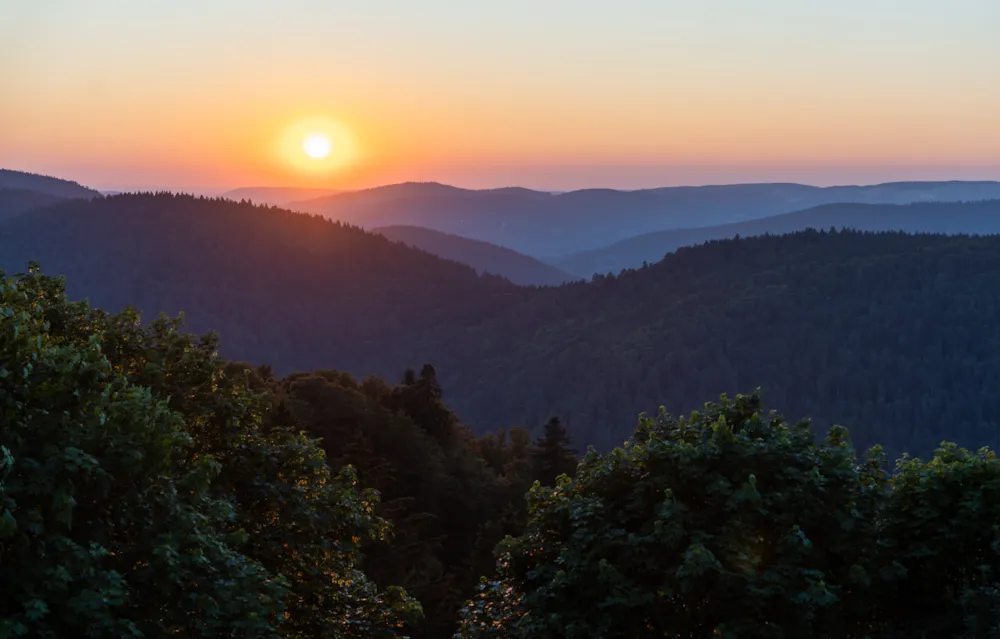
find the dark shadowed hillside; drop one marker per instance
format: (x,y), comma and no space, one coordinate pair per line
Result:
(17,201)
(290,289)
(482,256)
(896,336)
(44,184)
(543,224)
(277,195)
(981,217)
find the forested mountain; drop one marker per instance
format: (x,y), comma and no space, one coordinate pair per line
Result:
(544,224)
(277,195)
(981,217)
(482,256)
(17,201)
(44,184)
(293,290)
(896,336)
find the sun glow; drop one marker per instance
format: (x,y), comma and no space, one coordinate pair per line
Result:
(317,145)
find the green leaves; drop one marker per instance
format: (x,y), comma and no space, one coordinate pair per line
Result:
(142,493)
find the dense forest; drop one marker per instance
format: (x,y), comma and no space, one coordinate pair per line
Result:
(150,488)
(893,335)
(980,217)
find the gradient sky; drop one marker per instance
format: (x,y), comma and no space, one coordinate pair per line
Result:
(554,94)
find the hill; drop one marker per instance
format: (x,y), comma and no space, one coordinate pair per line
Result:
(981,217)
(277,195)
(44,184)
(17,201)
(482,256)
(543,224)
(895,336)
(294,290)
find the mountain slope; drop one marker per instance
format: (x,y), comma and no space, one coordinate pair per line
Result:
(482,256)
(277,195)
(290,289)
(895,336)
(545,224)
(44,184)
(17,201)
(943,217)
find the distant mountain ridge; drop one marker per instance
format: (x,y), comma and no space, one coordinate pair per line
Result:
(58,187)
(482,256)
(544,224)
(982,217)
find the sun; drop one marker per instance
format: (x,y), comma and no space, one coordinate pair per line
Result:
(317,145)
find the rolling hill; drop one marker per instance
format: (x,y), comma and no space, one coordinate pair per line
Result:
(277,195)
(981,217)
(17,201)
(44,184)
(895,336)
(543,224)
(482,256)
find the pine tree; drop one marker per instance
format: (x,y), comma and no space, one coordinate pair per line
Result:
(551,453)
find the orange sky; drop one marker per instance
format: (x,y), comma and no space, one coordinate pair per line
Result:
(122,94)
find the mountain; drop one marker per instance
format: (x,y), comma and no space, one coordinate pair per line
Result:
(895,336)
(44,184)
(277,195)
(295,290)
(482,256)
(543,224)
(17,201)
(981,217)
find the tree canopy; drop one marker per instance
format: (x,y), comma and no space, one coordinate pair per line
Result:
(146,491)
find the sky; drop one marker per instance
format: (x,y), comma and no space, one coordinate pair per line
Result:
(213,94)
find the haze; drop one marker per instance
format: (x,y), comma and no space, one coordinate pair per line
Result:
(558,95)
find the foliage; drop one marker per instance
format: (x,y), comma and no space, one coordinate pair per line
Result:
(940,547)
(895,336)
(450,497)
(728,523)
(143,495)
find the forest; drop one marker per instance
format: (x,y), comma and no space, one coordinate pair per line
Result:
(892,335)
(149,487)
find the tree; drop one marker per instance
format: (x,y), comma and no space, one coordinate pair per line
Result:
(940,547)
(728,523)
(143,494)
(551,454)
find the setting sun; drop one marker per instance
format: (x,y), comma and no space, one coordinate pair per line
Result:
(317,146)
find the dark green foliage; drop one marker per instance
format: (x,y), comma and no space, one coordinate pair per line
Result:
(448,504)
(941,547)
(552,455)
(733,523)
(143,494)
(729,522)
